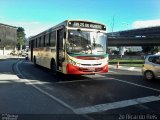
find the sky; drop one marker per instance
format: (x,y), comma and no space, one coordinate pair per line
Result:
(38,15)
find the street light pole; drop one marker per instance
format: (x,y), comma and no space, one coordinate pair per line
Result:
(112,25)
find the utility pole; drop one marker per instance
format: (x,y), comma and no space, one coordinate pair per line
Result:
(112,25)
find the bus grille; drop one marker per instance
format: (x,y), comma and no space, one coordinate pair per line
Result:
(90,69)
(91,64)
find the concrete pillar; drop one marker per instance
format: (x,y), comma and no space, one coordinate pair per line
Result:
(121,51)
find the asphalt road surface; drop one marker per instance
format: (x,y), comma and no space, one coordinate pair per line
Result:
(33,92)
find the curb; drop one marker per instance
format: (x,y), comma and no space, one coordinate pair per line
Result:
(9,56)
(138,69)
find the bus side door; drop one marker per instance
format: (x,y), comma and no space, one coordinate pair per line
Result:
(60,49)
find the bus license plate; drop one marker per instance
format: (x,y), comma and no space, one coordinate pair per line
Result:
(91,69)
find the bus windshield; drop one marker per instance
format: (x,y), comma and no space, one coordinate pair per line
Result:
(84,42)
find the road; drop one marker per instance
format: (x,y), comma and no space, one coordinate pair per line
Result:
(27,90)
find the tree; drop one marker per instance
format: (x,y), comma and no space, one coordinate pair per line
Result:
(20,37)
(156,49)
(147,49)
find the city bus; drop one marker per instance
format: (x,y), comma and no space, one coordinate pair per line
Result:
(71,47)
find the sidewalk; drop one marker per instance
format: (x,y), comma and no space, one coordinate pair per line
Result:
(2,57)
(138,69)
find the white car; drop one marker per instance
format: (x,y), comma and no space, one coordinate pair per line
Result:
(151,67)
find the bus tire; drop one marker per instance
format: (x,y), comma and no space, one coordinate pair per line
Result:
(53,67)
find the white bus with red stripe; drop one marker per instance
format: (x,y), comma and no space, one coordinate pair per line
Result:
(71,47)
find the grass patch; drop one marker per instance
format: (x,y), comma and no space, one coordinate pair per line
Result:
(124,61)
(129,63)
(132,65)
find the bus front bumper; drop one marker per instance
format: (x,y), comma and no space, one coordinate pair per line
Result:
(71,69)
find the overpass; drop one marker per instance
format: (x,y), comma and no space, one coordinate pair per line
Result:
(136,37)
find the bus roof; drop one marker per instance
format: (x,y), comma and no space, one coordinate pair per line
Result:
(64,23)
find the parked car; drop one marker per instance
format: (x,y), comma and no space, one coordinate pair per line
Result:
(151,67)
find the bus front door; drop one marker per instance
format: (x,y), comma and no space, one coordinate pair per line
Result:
(60,50)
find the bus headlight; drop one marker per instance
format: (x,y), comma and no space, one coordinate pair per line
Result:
(74,63)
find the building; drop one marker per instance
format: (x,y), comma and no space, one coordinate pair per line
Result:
(8,37)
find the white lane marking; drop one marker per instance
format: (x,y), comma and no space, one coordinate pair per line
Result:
(10,81)
(6,76)
(36,83)
(102,107)
(136,84)
(116,105)
(51,96)
(44,92)
(84,80)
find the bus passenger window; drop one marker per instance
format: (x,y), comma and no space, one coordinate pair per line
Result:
(36,43)
(47,40)
(44,40)
(32,42)
(53,39)
(41,41)
(61,36)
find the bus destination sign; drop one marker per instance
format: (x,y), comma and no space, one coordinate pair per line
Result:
(90,25)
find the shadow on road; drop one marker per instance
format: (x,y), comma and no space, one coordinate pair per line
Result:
(44,75)
(30,71)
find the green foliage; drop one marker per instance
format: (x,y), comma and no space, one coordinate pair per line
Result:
(21,36)
(156,49)
(131,63)
(124,61)
(147,49)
